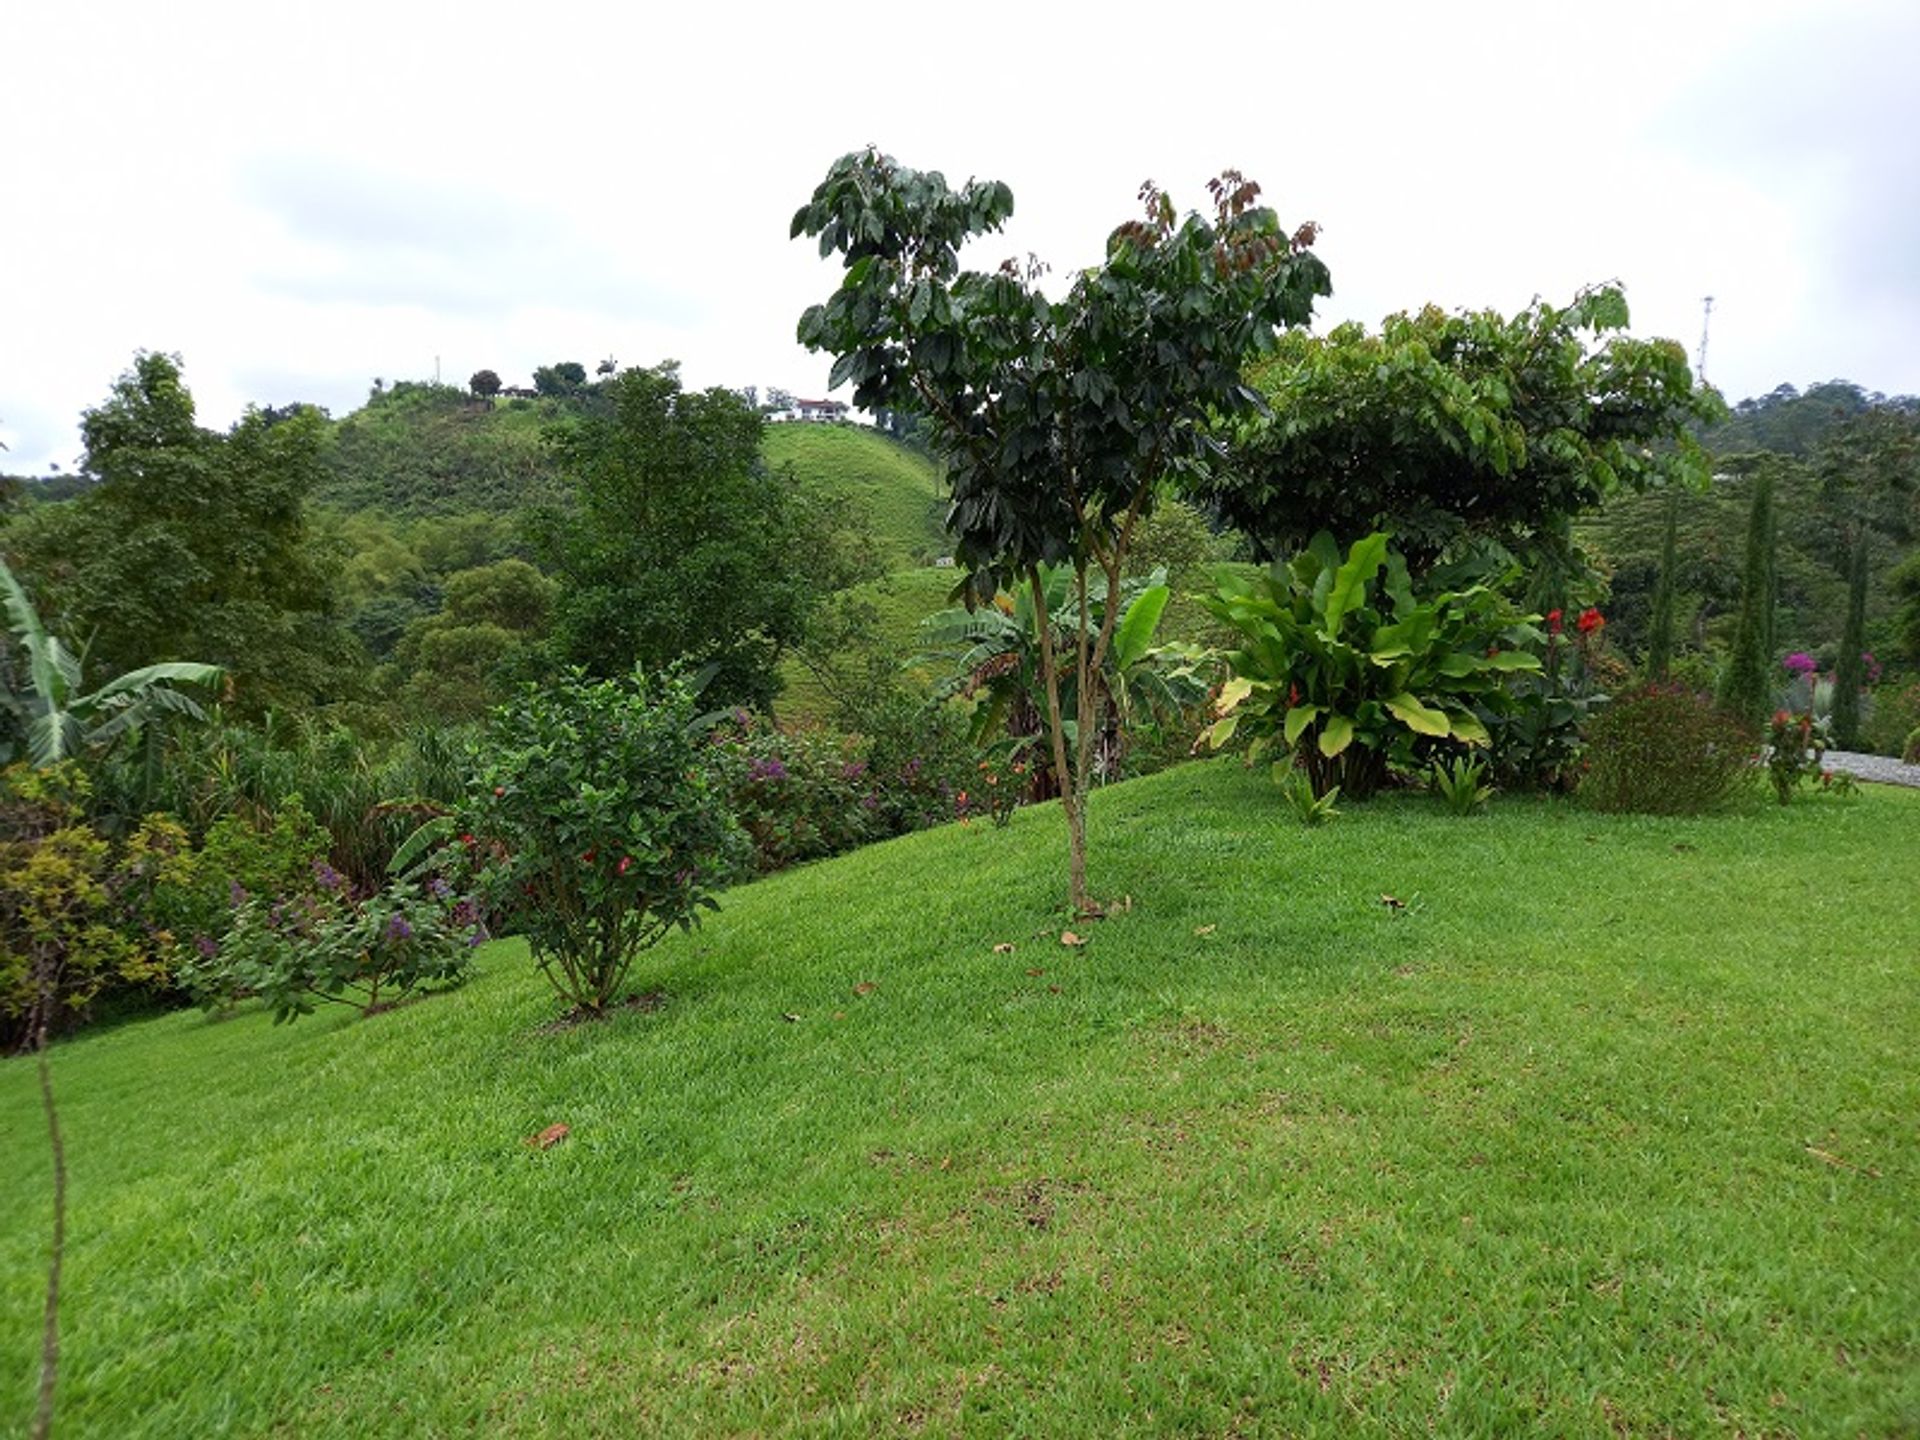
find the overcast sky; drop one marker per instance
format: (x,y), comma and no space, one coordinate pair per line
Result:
(298,205)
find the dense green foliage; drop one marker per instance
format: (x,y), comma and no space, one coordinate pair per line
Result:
(1449,427)
(1344,666)
(1058,419)
(193,546)
(1746,693)
(680,544)
(419,449)
(595,826)
(1618,1142)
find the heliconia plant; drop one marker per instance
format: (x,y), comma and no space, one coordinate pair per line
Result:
(1343,667)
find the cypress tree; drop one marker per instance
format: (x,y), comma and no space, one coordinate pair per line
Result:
(1660,641)
(1745,692)
(1849,672)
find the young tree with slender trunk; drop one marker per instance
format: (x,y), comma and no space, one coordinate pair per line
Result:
(1058,419)
(1746,692)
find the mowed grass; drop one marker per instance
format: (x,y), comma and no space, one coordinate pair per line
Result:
(1611,1130)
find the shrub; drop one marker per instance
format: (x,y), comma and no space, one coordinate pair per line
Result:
(1343,666)
(598,824)
(59,945)
(1893,714)
(1795,746)
(326,944)
(1910,752)
(798,795)
(1664,750)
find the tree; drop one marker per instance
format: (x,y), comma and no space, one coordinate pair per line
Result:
(681,545)
(1869,469)
(194,544)
(1746,691)
(1660,633)
(565,378)
(1058,419)
(485,384)
(1445,427)
(461,659)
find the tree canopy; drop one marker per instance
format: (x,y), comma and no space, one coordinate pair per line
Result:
(193,544)
(681,545)
(1448,426)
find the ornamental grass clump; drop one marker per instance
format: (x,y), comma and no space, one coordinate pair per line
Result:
(597,823)
(1665,750)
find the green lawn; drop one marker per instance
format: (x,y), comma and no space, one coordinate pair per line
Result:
(1611,1131)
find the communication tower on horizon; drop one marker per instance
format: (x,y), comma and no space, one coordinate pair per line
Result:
(1706,319)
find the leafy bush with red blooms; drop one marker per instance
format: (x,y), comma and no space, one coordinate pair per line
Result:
(1665,750)
(597,823)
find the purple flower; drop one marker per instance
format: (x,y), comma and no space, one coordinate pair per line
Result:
(236,894)
(206,947)
(853,770)
(439,887)
(1800,663)
(325,876)
(398,928)
(767,769)
(1872,667)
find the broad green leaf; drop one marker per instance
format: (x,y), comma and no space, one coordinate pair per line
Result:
(1298,718)
(1467,727)
(1222,731)
(1135,634)
(1351,580)
(1232,693)
(1418,717)
(1335,735)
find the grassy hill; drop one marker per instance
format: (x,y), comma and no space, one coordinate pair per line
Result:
(431,450)
(895,492)
(1609,1131)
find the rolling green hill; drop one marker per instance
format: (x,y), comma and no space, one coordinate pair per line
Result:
(1618,1145)
(894,491)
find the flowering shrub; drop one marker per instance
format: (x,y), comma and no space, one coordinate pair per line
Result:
(1800,663)
(1795,746)
(597,823)
(1664,750)
(324,943)
(798,796)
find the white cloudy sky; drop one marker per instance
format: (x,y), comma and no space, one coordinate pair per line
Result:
(300,198)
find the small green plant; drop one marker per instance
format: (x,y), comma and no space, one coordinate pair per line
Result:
(1296,790)
(1839,783)
(598,823)
(1461,783)
(1665,750)
(1910,752)
(1796,744)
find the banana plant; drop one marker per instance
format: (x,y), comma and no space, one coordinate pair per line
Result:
(992,656)
(1344,668)
(49,709)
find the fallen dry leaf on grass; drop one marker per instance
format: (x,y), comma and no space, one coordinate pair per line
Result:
(1393,902)
(1005,947)
(1035,970)
(1205,929)
(547,1138)
(1067,937)
(865,987)
(1839,1164)
(791,1018)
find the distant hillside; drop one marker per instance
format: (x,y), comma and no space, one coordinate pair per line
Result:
(432,450)
(894,491)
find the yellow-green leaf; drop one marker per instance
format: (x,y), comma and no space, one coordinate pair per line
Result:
(1417,717)
(1298,718)
(1232,693)
(1335,735)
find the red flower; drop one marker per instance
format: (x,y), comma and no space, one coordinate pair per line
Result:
(467,840)
(1553,622)
(1590,620)
(1780,717)
(498,791)
(626,864)
(1293,695)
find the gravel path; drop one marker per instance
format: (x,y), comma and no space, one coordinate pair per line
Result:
(1872,767)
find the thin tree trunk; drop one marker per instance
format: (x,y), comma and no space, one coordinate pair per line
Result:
(1062,771)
